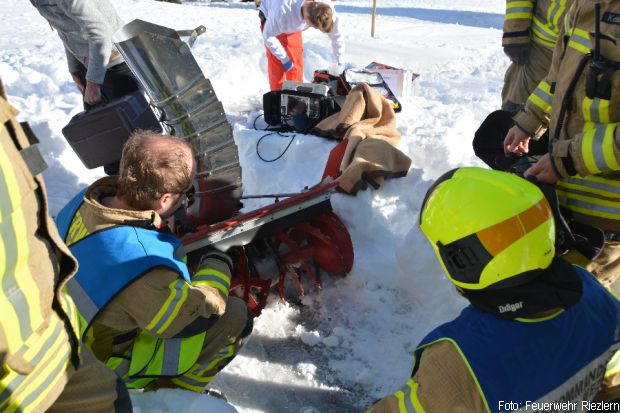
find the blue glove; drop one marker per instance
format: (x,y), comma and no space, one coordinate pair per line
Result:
(288,65)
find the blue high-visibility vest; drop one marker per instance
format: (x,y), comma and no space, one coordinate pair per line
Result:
(559,359)
(111,259)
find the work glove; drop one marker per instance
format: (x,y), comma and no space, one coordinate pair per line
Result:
(518,53)
(288,65)
(215,258)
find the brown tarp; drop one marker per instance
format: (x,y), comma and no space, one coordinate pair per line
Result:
(368,123)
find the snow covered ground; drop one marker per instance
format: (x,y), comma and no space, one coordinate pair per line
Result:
(342,348)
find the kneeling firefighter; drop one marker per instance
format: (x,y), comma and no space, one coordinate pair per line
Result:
(142,312)
(537,329)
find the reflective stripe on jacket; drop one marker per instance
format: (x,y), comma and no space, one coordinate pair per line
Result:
(129,252)
(530,360)
(588,150)
(529,20)
(38,321)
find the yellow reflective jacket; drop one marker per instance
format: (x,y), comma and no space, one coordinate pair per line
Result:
(531,20)
(38,320)
(579,102)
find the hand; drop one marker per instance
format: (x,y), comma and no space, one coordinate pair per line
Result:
(92,93)
(543,170)
(78,82)
(516,141)
(519,54)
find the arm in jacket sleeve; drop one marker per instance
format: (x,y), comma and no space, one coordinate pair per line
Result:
(442,383)
(337,40)
(214,273)
(517,30)
(87,16)
(73,64)
(163,304)
(518,22)
(534,118)
(270,31)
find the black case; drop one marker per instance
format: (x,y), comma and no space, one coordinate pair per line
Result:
(97,135)
(272,107)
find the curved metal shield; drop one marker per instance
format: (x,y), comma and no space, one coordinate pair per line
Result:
(168,72)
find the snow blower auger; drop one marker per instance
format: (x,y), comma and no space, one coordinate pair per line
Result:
(285,240)
(288,239)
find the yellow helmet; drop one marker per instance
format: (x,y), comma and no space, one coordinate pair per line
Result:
(489,229)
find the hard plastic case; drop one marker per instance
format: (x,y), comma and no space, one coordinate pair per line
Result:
(97,135)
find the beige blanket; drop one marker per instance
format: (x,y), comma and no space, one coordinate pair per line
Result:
(368,123)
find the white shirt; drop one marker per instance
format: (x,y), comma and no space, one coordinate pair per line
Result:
(284,16)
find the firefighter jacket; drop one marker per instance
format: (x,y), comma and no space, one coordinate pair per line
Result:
(519,361)
(38,343)
(98,282)
(134,291)
(535,21)
(579,102)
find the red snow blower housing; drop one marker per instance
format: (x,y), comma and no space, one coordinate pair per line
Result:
(292,238)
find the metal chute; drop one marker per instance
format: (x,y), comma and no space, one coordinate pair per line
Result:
(170,76)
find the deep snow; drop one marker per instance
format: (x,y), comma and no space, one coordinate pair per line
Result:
(342,348)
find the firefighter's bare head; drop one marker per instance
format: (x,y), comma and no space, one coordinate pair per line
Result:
(318,15)
(156,172)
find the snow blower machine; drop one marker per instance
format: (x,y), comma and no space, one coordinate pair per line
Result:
(292,239)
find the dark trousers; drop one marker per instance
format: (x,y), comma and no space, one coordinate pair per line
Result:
(118,82)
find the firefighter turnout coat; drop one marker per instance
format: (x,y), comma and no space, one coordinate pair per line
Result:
(39,348)
(579,102)
(536,21)
(141,312)
(533,25)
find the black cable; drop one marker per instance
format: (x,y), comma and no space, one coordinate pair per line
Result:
(272,131)
(255,119)
(283,152)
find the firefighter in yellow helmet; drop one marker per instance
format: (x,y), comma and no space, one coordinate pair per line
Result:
(578,103)
(44,367)
(537,328)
